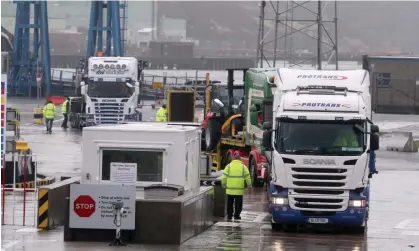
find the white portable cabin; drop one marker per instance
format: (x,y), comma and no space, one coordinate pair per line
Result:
(163,153)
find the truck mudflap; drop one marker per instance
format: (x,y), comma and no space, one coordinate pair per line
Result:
(263,167)
(282,214)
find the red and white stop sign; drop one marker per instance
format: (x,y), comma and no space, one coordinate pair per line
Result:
(84,206)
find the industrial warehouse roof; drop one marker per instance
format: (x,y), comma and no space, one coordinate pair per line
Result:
(394,58)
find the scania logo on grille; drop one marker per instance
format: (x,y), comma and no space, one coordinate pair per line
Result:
(319,162)
(109,100)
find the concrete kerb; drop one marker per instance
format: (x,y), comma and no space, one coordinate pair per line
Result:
(400,142)
(220,197)
(52,202)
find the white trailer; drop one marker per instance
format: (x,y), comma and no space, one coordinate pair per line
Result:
(144,153)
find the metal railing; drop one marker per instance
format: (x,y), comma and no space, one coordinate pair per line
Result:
(19,197)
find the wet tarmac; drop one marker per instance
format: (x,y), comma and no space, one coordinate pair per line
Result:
(393,224)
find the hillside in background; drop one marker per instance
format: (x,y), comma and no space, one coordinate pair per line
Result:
(374,26)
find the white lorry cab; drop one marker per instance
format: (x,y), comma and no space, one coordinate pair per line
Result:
(111,91)
(321,148)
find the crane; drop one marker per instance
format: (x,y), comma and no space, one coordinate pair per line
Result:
(26,61)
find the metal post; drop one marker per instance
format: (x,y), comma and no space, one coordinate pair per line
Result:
(276,32)
(153,20)
(91,42)
(336,36)
(25,169)
(108,31)
(262,32)
(116,29)
(99,25)
(319,35)
(45,47)
(4,187)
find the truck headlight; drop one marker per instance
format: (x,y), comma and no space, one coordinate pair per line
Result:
(357,203)
(279,201)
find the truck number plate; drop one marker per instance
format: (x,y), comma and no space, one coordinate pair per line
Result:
(318,220)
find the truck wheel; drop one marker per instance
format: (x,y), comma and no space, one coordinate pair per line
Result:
(276,226)
(212,134)
(254,174)
(359,229)
(290,228)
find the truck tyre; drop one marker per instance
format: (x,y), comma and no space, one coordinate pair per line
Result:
(290,228)
(212,134)
(276,226)
(254,174)
(361,230)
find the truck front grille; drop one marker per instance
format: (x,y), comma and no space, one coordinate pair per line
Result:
(319,189)
(318,200)
(109,113)
(307,177)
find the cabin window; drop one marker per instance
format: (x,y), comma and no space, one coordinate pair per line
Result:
(149,163)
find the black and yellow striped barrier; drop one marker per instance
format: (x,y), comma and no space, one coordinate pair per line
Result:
(43,208)
(52,201)
(31,184)
(38,116)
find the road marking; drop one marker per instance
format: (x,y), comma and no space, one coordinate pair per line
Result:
(415,233)
(261,217)
(28,230)
(402,224)
(9,244)
(410,224)
(227,224)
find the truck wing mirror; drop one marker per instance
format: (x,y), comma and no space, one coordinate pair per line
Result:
(253,108)
(254,118)
(267,140)
(240,102)
(267,126)
(374,142)
(83,88)
(375,129)
(218,102)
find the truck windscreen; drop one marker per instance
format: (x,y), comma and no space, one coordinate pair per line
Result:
(223,94)
(109,90)
(320,138)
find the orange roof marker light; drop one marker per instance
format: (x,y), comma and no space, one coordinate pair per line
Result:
(99,54)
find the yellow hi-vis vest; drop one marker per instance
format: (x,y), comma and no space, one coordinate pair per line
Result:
(346,139)
(161,115)
(49,111)
(64,107)
(236,178)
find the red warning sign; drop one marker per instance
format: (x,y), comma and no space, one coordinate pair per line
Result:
(84,206)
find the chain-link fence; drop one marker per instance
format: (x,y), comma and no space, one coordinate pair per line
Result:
(394,94)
